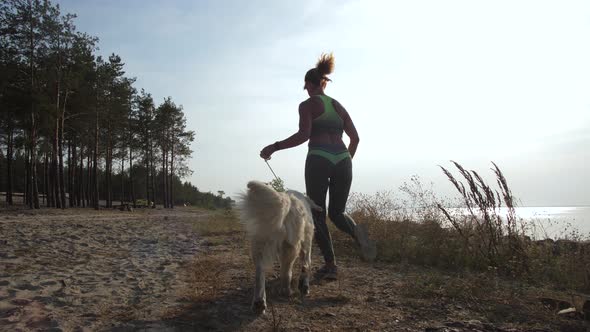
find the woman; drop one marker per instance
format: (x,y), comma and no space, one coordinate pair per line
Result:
(328,167)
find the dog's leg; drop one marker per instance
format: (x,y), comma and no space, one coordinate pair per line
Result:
(259,302)
(305,267)
(288,256)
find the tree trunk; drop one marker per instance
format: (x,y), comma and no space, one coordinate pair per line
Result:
(45,183)
(68,176)
(171,181)
(55,164)
(88,177)
(152,176)
(131,185)
(164,178)
(34,188)
(147,178)
(50,181)
(122,180)
(26,196)
(80,197)
(109,167)
(9,153)
(60,146)
(32,193)
(95,166)
(72,171)
(62,189)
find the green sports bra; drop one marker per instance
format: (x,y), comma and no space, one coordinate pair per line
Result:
(328,122)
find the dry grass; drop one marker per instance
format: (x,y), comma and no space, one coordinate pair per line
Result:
(205,276)
(206,273)
(490,298)
(423,230)
(219,223)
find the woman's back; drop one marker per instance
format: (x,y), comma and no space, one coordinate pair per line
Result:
(329,120)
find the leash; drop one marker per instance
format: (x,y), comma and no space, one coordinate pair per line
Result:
(273,172)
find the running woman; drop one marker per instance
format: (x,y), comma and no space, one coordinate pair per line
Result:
(328,167)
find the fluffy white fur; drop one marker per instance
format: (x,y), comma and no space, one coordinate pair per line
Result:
(278,224)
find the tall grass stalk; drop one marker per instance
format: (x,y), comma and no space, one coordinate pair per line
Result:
(497,239)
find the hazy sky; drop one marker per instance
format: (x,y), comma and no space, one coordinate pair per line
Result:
(424,81)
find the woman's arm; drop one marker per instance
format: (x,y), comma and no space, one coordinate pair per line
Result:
(350,130)
(301,136)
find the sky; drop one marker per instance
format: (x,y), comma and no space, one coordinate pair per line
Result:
(425,82)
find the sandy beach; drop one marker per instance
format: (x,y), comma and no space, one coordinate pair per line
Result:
(189,270)
(81,269)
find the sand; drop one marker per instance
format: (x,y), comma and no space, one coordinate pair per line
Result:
(186,270)
(86,270)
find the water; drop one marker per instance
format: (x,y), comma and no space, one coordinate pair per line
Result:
(555,221)
(558,221)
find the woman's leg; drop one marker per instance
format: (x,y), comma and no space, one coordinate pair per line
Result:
(317,174)
(339,189)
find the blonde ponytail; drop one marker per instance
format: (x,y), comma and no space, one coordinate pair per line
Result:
(324,67)
(325,64)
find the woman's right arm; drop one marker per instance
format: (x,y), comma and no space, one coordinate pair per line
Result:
(301,136)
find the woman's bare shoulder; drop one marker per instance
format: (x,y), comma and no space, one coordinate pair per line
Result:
(339,108)
(311,102)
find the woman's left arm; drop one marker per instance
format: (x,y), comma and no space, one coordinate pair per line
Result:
(350,130)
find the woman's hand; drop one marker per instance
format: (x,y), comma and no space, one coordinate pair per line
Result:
(267,152)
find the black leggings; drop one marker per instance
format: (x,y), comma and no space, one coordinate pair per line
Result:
(321,175)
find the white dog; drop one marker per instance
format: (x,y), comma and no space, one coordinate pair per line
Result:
(278,224)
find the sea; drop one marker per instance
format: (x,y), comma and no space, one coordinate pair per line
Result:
(556,222)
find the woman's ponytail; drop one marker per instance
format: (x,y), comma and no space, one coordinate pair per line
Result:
(325,65)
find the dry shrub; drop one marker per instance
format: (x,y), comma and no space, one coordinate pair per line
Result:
(408,229)
(485,235)
(564,263)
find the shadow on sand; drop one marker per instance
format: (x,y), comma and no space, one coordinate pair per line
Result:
(227,312)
